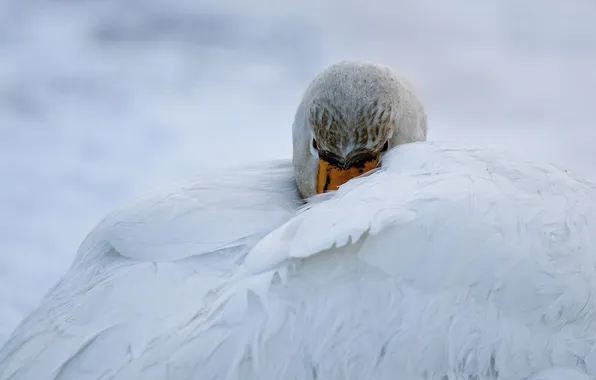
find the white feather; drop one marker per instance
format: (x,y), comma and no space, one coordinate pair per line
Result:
(444,264)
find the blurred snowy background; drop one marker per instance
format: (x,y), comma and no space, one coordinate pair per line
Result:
(102,99)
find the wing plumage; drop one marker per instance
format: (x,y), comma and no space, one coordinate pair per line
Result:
(145,271)
(444,264)
(495,260)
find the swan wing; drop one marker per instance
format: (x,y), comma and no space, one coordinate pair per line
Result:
(145,272)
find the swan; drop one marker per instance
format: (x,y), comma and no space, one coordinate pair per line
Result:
(374,254)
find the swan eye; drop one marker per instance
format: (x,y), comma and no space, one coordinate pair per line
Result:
(314,148)
(385,147)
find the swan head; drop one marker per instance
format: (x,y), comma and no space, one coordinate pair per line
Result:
(350,115)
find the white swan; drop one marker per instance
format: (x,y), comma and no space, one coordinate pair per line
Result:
(445,263)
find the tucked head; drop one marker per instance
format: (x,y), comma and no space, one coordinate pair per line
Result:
(350,115)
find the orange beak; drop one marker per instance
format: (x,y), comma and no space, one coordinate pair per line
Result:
(331,177)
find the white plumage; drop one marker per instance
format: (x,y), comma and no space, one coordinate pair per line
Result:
(464,263)
(446,263)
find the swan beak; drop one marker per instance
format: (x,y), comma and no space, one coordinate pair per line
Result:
(331,177)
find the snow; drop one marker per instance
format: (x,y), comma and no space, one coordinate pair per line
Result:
(101,100)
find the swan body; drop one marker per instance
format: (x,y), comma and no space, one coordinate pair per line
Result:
(443,263)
